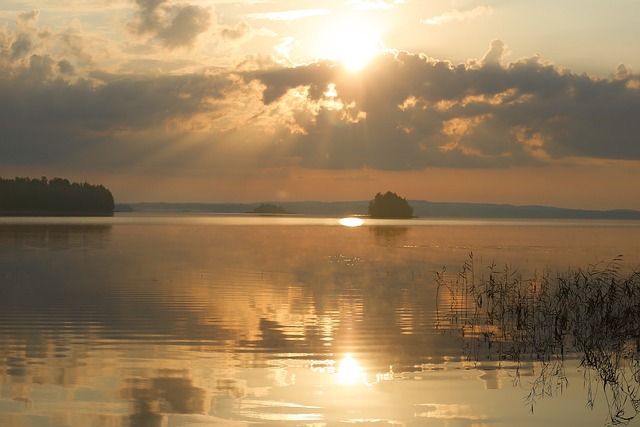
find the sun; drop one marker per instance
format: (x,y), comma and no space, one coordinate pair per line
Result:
(351,42)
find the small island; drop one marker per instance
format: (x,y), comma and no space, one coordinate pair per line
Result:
(59,197)
(390,206)
(270,209)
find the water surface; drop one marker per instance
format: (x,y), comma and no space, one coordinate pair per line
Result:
(181,320)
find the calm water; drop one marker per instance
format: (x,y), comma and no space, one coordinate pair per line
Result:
(204,320)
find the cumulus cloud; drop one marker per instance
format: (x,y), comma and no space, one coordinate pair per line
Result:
(26,38)
(496,53)
(65,67)
(27,18)
(237,32)
(457,15)
(174,25)
(409,111)
(21,46)
(622,72)
(88,117)
(278,81)
(403,111)
(25,48)
(289,15)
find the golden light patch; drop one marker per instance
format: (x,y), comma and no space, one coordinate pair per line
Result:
(352,42)
(349,371)
(533,142)
(351,222)
(457,128)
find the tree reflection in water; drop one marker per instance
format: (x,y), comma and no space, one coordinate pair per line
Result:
(592,315)
(388,235)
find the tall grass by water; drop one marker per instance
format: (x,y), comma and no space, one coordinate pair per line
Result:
(592,315)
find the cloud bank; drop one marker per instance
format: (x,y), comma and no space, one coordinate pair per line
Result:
(409,111)
(404,111)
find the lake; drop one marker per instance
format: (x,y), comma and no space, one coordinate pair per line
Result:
(201,320)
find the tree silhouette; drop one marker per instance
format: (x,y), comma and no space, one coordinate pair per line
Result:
(56,196)
(389,205)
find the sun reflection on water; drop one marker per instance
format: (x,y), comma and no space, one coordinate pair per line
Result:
(349,371)
(351,222)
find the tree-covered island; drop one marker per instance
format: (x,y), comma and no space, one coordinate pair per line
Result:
(390,205)
(27,196)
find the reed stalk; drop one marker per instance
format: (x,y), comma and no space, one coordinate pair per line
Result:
(592,315)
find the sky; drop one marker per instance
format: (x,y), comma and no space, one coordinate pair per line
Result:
(515,102)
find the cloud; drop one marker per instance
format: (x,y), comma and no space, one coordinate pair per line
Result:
(86,118)
(496,53)
(288,15)
(458,15)
(65,67)
(26,38)
(404,111)
(27,18)
(174,25)
(21,46)
(26,49)
(278,81)
(409,111)
(240,31)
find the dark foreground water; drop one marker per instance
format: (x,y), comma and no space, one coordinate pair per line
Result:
(203,320)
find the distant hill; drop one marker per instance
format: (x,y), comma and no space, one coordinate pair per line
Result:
(422,209)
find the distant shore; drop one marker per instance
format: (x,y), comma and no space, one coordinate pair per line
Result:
(422,209)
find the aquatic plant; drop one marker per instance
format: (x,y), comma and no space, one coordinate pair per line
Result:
(592,315)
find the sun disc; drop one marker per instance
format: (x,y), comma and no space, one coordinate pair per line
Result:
(352,43)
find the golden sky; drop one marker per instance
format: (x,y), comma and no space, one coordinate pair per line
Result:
(248,101)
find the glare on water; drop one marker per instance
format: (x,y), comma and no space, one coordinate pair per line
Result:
(349,372)
(351,222)
(179,320)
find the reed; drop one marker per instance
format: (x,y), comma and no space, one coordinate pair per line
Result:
(592,315)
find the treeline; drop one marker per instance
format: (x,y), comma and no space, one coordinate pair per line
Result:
(271,209)
(24,196)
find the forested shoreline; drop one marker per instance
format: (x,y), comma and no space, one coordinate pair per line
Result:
(58,196)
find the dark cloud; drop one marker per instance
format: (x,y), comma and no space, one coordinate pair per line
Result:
(414,112)
(278,81)
(18,44)
(65,67)
(403,112)
(21,47)
(47,119)
(239,31)
(174,25)
(28,18)
(186,24)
